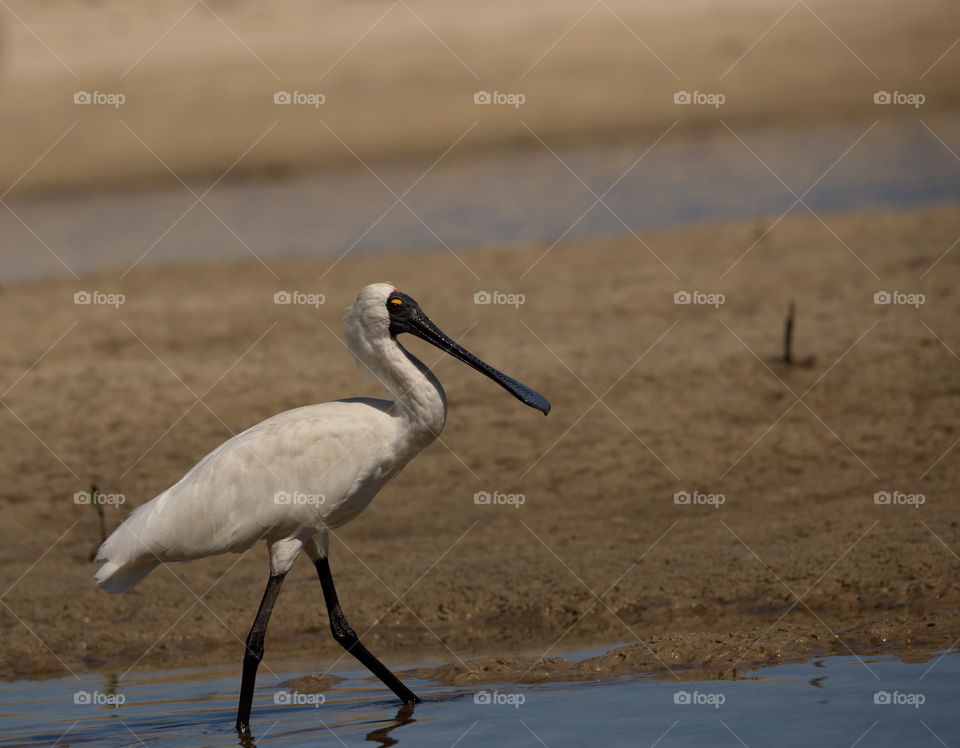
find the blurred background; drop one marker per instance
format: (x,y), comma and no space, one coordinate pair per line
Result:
(298,125)
(618,203)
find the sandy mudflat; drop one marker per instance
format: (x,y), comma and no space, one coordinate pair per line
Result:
(692,400)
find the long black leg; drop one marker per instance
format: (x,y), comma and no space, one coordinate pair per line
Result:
(347,638)
(254,652)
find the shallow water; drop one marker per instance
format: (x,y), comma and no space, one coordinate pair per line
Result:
(832,701)
(499,197)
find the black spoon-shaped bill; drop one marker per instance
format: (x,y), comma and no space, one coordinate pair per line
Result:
(407,316)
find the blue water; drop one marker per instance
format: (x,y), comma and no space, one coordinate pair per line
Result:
(832,701)
(509,196)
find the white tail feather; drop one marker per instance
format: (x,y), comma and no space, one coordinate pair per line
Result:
(127,558)
(114,577)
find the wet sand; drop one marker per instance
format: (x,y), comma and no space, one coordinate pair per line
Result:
(707,654)
(692,399)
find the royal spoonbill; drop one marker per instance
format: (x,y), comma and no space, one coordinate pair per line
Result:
(294,477)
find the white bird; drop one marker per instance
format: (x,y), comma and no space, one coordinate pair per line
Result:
(294,477)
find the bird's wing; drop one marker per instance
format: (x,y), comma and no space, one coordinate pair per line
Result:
(288,475)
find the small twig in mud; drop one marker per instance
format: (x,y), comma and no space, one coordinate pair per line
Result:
(788,330)
(102,520)
(788,334)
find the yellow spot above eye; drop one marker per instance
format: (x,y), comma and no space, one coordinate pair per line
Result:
(397,302)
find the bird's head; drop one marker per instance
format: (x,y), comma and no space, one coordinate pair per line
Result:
(382,312)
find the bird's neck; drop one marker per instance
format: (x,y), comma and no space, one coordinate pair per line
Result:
(419,396)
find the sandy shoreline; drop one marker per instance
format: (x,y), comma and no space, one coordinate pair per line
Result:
(712,654)
(398,79)
(692,400)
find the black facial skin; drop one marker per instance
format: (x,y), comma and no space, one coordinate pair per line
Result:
(407,316)
(404,314)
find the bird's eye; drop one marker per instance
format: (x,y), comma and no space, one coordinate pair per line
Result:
(395,304)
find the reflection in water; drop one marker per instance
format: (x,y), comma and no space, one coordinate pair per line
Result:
(787,704)
(381,735)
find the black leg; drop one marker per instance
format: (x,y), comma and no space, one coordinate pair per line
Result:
(347,638)
(254,652)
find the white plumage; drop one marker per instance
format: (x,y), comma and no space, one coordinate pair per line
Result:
(289,478)
(294,477)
